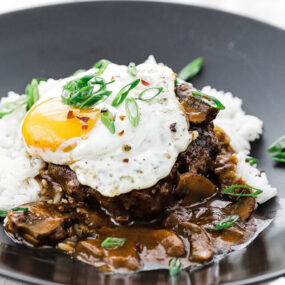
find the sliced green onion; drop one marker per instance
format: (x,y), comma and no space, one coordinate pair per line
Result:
(10,107)
(174,266)
(112,242)
(191,69)
(102,65)
(279,157)
(159,90)
(136,118)
(210,100)
(227,222)
(229,190)
(32,91)
(123,93)
(4,213)
(251,160)
(107,119)
(91,101)
(78,71)
(278,145)
(132,70)
(39,79)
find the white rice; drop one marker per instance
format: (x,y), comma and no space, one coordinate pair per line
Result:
(242,129)
(18,169)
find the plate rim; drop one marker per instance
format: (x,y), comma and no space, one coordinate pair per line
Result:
(14,275)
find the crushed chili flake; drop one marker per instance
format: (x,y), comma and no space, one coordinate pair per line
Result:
(122,117)
(139,247)
(83,119)
(121,133)
(126,160)
(228,248)
(70,114)
(84,127)
(112,78)
(145,83)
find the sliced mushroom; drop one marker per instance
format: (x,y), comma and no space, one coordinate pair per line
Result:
(201,249)
(195,187)
(243,207)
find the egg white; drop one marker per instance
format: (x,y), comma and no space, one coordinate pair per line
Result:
(100,160)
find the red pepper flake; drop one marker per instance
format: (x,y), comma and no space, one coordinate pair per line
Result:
(122,117)
(83,119)
(112,78)
(84,127)
(126,160)
(139,247)
(145,83)
(70,115)
(228,248)
(121,133)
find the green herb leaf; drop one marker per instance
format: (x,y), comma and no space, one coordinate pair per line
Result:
(19,209)
(159,90)
(107,119)
(136,118)
(102,65)
(210,100)
(85,92)
(227,222)
(191,69)
(278,145)
(174,266)
(4,213)
(251,160)
(112,242)
(10,107)
(32,91)
(229,190)
(279,157)
(123,93)
(132,70)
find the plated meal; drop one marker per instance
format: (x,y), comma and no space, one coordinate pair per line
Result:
(130,168)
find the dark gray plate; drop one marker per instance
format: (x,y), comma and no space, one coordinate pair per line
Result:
(241,55)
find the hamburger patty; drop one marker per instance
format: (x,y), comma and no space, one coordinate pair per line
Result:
(198,158)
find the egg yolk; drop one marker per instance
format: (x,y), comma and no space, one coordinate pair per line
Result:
(51,123)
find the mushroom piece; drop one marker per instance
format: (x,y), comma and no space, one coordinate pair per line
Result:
(195,188)
(201,249)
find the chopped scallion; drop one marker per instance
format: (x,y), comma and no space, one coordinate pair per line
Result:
(101,65)
(145,98)
(113,242)
(210,100)
(174,266)
(107,119)
(251,160)
(132,70)
(191,69)
(227,222)
(229,190)
(134,119)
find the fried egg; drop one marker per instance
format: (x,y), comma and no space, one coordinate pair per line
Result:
(134,157)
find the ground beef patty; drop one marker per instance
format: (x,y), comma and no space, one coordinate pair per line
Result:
(198,158)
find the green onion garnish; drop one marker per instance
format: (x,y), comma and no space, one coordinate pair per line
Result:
(226,222)
(132,70)
(159,90)
(123,93)
(278,148)
(85,92)
(251,160)
(4,213)
(136,118)
(279,157)
(210,100)
(112,242)
(78,71)
(32,91)
(10,107)
(102,65)
(174,266)
(229,190)
(107,119)
(191,69)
